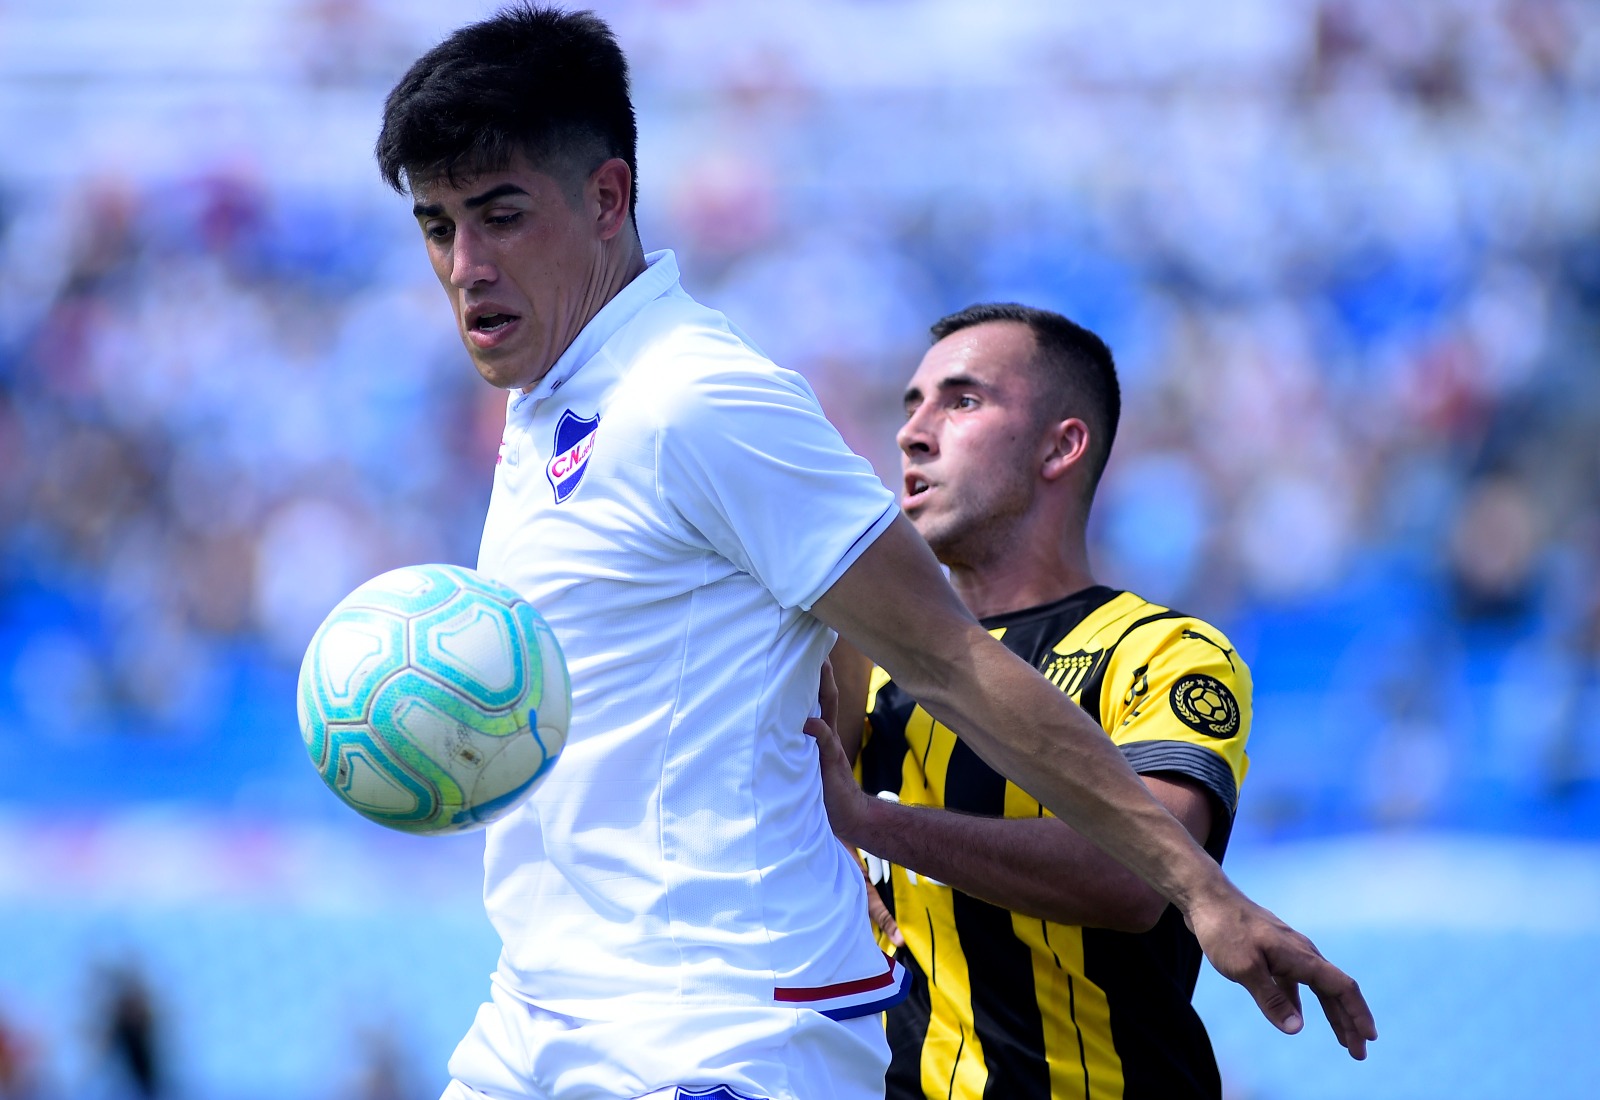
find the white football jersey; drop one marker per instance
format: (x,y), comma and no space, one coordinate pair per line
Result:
(673,503)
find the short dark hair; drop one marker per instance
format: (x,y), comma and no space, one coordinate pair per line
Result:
(549,84)
(1073,366)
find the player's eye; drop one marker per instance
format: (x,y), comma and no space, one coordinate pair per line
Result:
(966,401)
(436,231)
(504,219)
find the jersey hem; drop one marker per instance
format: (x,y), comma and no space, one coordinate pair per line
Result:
(847,1000)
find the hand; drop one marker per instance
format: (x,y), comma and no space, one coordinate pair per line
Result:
(841,793)
(846,802)
(1249,945)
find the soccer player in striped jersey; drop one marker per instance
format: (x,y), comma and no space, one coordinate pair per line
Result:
(1045,969)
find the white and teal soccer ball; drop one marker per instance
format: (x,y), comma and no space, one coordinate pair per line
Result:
(433,699)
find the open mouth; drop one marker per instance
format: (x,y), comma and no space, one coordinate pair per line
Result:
(916,485)
(492,322)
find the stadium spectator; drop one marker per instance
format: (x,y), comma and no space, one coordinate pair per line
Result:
(132,1033)
(18,1064)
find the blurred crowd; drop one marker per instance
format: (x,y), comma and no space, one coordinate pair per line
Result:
(127,1046)
(1347,254)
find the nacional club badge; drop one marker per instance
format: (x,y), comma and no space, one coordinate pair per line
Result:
(574,443)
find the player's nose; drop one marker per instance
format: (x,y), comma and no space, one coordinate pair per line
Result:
(916,434)
(470,263)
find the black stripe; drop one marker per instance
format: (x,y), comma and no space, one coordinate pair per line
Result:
(906,1029)
(957,1064)
(1006,1021)
(1072,1006)
(906,1024)
(1148,981)
(970,785)
(1205,767)
(1007,1024)
(1044,927)
(1072,1012)
(883,757)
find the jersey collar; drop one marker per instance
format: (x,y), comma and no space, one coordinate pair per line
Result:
(659,276)
(1083,603)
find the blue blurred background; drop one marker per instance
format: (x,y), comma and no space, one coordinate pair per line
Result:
(1347,253)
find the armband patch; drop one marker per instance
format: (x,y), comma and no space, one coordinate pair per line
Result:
(1205,705)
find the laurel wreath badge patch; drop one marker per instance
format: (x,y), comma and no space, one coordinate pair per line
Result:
(1205,705)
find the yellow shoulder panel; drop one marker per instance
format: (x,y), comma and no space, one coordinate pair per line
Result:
(1179,679)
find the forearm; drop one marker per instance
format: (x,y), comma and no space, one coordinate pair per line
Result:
(1049,746)
(895,607)
(852,672)
(1039,867)
(1026,729)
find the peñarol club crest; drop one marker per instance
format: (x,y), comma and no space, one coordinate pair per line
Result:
(1205,705)
(574,444)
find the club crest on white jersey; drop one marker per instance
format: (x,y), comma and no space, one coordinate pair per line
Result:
(574,443)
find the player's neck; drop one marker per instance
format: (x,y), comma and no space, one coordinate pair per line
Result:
(1027,574)
(620,263)
(626,264)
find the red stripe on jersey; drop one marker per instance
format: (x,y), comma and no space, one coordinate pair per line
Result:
(838,989)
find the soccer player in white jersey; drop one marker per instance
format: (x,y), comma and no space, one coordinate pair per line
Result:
(676,916)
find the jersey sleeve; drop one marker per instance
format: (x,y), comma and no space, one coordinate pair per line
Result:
(749,462)
(1176,699)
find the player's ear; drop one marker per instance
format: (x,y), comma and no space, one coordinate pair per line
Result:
(1068,444)
(610,189)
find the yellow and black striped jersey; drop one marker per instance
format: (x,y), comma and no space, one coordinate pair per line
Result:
(1011,1007)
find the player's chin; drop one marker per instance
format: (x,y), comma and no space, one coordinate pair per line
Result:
(502,371)
(925,525)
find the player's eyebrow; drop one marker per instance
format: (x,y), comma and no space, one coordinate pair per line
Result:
(961,382)
(913,396)
(433,209)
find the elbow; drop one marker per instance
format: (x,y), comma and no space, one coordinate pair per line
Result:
(1146,917)
(1137,914)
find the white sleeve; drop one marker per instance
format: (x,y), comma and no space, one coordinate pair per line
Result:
(748,460)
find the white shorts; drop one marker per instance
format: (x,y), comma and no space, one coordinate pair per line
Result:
(518,1051)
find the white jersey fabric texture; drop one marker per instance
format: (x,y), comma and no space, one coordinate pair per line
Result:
(672,503)
(518,1051)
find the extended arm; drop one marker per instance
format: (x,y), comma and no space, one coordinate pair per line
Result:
(1038,866)
(894,605)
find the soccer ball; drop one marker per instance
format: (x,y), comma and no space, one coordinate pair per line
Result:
(433,699)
